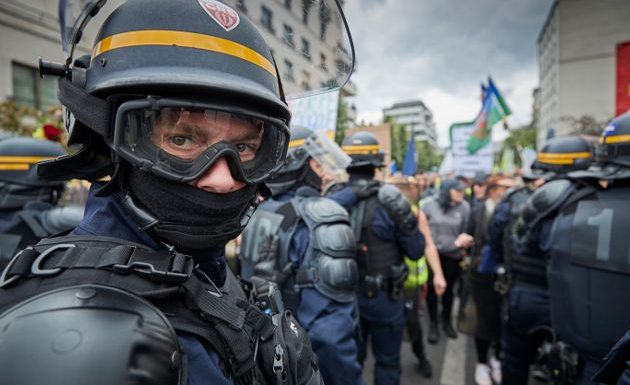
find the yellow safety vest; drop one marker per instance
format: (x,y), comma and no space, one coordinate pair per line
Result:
(418,272)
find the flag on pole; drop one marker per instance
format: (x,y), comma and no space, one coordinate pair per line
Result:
(409,163)
(392,167)
(493,109)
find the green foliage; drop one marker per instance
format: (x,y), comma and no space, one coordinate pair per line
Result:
(342,119)
(13,118)
(428,157)
(519,138)
(399,139)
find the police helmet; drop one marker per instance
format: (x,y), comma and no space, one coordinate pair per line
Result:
(147,70)
(88,334)
(614,143)
(565,154)
(365,151)
(304,145)
(19,182)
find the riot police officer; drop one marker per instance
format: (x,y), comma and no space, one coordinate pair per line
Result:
(182,107)
(305,244)
(589,272)
(386,230)
(528,299)
(27,202)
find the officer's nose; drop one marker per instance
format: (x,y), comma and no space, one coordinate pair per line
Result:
(218,179)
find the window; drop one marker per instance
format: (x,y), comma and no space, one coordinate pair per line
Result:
(288,71)
(323,64)
(287,4)
(266,18)
(240,5)
(324,20)
(31,90)
(288,36)
(306,49)
(306,81)
(306,9)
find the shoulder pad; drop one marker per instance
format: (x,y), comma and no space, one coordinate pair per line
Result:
(545,201)
(264,225)
(398,206)
(318,210)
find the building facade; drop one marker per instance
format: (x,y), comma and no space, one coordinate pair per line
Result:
(307,45)
(417,117)
(577,64)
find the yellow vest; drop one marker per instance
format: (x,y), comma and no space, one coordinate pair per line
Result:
(418,272)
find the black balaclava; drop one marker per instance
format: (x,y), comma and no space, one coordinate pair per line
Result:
(184,216)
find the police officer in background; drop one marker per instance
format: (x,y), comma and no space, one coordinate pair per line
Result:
(28,209)
(182,107)
(386,229)
(303,242)
(528,299)
(589,272)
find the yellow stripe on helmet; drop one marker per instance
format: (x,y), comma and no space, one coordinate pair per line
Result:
(615,139)
(23,159)
(183,39)
(14,166)
(562,158)
(296,143)
(366,149)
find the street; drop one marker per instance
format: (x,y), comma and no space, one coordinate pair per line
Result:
(453,360)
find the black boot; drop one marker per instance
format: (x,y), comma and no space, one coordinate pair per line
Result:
(424,366)
(434,334)
(448,329)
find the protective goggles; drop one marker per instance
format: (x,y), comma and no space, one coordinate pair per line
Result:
(180,140)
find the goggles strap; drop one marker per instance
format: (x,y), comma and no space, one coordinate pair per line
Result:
(88,109)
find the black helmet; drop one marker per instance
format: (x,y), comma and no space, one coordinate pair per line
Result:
(614,143)
(89,334)
(365,151)
(303,146)
(565,154)
(19,182)
(204,57)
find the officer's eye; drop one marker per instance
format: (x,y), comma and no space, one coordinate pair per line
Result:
(180,140)
(246,151)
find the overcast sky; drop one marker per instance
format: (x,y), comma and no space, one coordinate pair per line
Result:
(440,50)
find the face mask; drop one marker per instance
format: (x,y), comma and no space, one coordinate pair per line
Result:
(187,217)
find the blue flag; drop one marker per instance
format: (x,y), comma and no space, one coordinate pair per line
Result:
(392,167)
(409,163)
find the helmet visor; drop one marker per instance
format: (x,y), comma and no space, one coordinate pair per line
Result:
(328,154)
(181,140)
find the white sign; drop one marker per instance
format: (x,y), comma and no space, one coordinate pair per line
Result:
(463,162)
(316,112)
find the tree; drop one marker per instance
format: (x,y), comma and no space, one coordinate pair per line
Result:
(342,120)
(519,138)
(427,157)
(585,125)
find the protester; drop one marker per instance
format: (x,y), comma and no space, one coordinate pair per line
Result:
(448,215)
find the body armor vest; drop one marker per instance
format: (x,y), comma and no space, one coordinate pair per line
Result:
(375,256)
(27,229)
(589,271)
(529,261)
(517,199)
(328,264)
(224,318)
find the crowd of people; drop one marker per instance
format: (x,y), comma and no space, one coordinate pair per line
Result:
(199,151)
